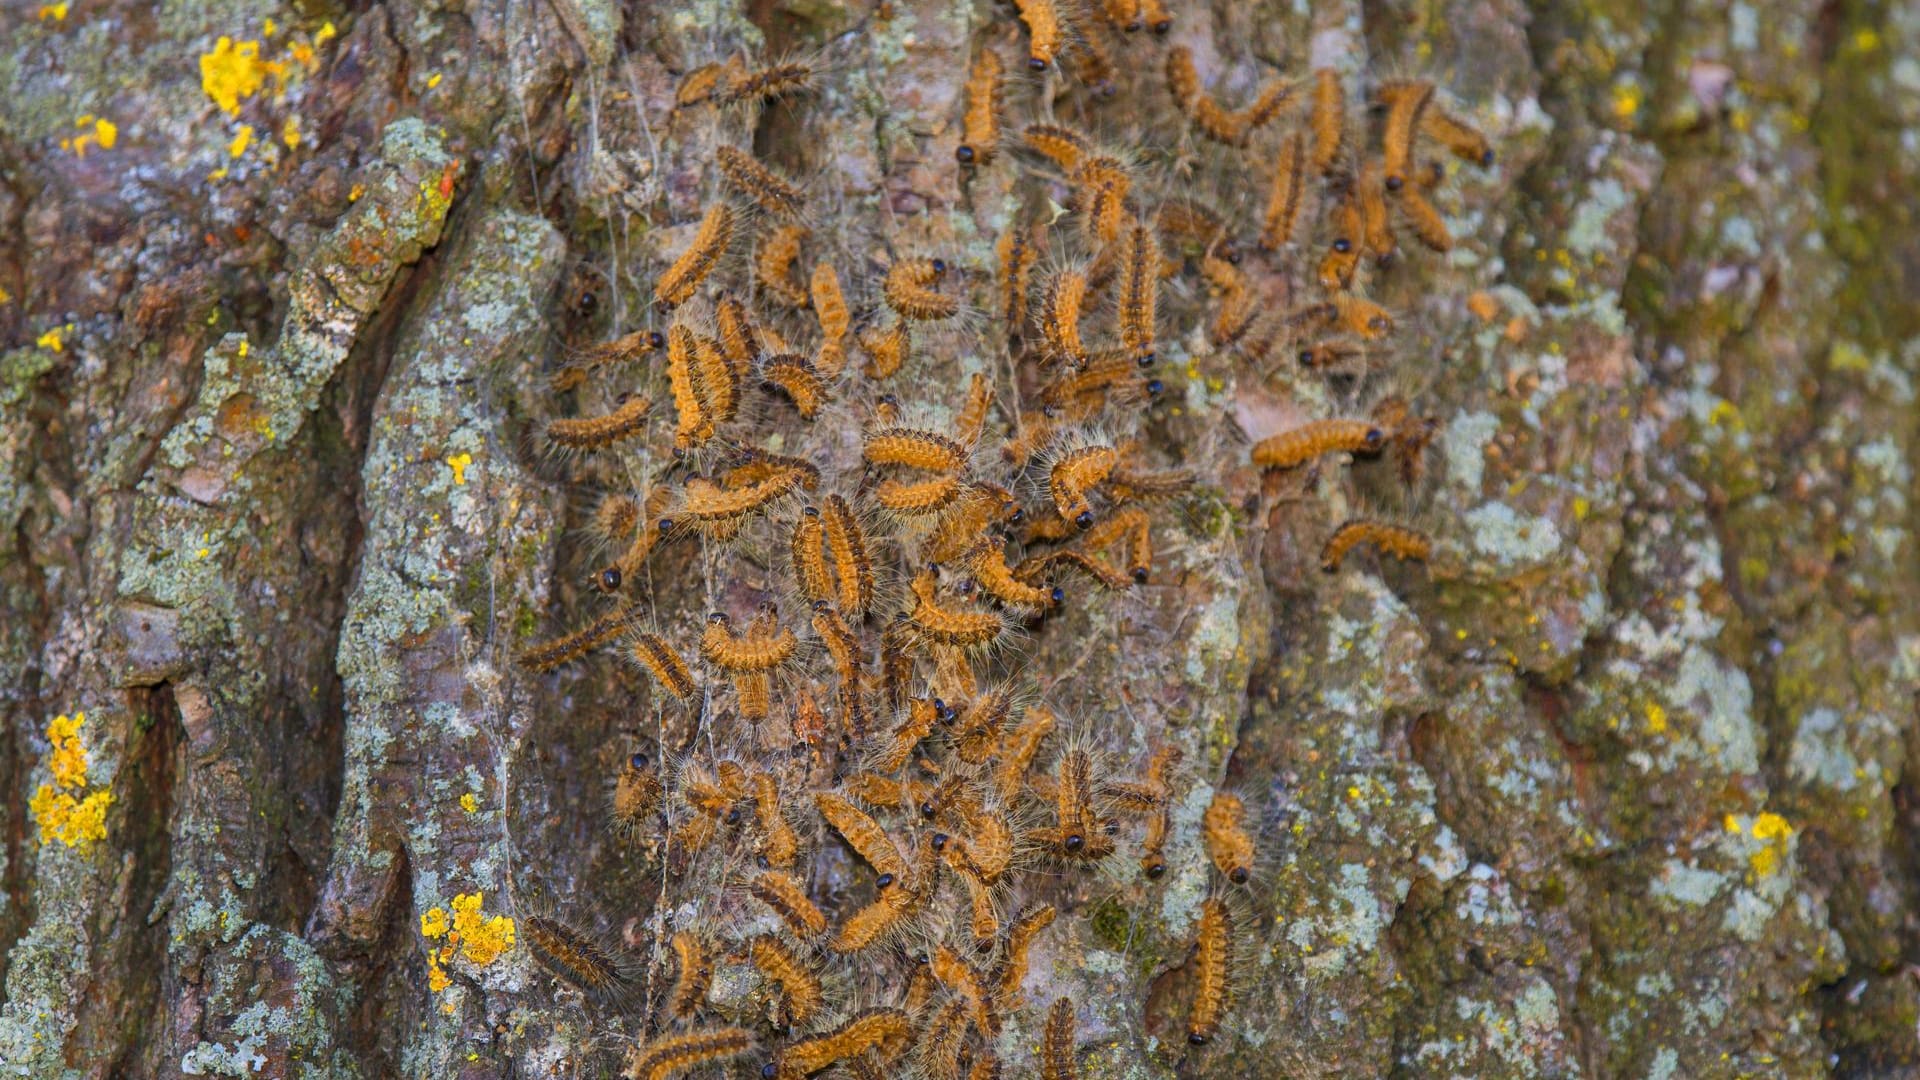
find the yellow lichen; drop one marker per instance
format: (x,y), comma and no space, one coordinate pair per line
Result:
(52,339)
(241,140)
(433,922)
(232,73)
(1656,718)
(482,940)
(56,12)
(290,133)
(458,463)
(469,803)
(59,808)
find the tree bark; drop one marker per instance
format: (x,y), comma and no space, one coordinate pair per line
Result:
(1615,785)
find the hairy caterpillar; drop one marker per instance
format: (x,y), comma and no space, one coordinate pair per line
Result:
(675,1055)
(1213,962)
(1228,844)
(914,448)
(567,648)
(795,377)
(767,189)
(621,350)
(1062,145)
(943,1041)
(908,290)
(1017,250)
(1427,224)
(863,834)
(1020,937)
(852,565)
(773,264)
(1079,831)
(1159,781)
(1076,473)
(1302,444)
(692,425)
(1343,252)
(574,956)
(1056,1046)
(1139,290)
(636,795)
(775,80)
(686,273)
(780,844)
(980,126)
(787,899)
(720,512)
(669,672)
(1018,748)
(884,1030)
(1457,136)
(800,989)
(1102,184)
(1395,540)
(886,349)
(965,982)
(1329,119)
(829,306)
(986,561)
(1376,229)
(1044,31)
(600,432)
(1406,106)
(693,974)
(1060,315)
(947,626)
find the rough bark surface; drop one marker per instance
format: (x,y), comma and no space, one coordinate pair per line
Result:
(1617,786)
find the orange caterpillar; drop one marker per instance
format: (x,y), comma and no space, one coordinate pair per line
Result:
(693,975)
(574,956)
(676,1055)
(1062,145)
(829,306)
(795,377)
(1020,936)
(775,80)
(1183,79)
(1131,525)
(636,796)
(1425,220)
(1139,290)
(694,264)
(1343,253)
(885,1031)
(1302,444)
(1044,31)
(943,1040)
(980,127)
(1213,962)
(715,381)
(786,898)
(947,626)
(1018,748)
(700,85)
(1079,831)
(1228,844)
(601,432)
(1329,119)
(733,654)
(1056,1047)
(886,349)
(769,190)
(1101,198)
(852,565)
(973,414)
(739,339)
(781,845)
(1406,106)
(692,425)
(773,265)
(841,642)
(669,672)
(1017,250)
(1362,317)
(1401,543)
(986,561)
(908,290)
(1060,315)
(568,648)
(1457,136)
(621,350)
(1158,18)
(801,993)
(1376,229)
(915,449)
(863,834)
(1160,782)
(967,984)
(1076,473)
(720,513)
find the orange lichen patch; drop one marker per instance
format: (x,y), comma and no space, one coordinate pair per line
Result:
(61,809)
(95,132)
(467,931)
(1483,305)
(232,73)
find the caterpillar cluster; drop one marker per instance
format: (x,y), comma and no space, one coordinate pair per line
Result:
(861,815)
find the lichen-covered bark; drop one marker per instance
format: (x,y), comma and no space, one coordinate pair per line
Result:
(1618,785)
